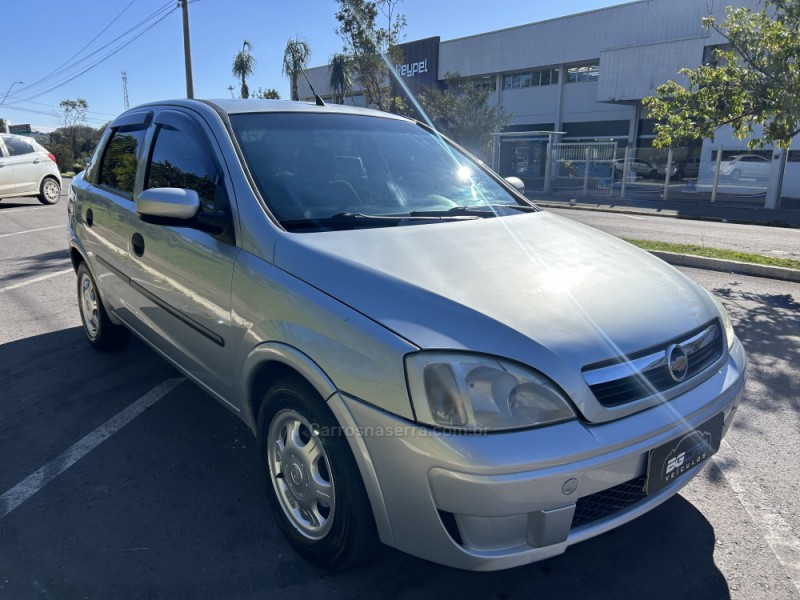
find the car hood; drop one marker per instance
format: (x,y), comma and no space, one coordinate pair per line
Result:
(532,287)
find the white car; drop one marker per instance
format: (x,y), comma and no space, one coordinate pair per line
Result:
(749,166)
(28,169)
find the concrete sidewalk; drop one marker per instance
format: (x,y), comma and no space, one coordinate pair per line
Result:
(727,209)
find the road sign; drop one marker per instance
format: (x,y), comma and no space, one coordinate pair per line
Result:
(20,129)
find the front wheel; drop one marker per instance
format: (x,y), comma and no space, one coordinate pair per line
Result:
(49,191)
(99,330)
(315,488)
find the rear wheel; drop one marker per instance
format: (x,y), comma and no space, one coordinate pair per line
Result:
(99,330)
(315,488)
(49,191)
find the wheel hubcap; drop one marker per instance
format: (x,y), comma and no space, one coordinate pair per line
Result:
(89,307)
(51,190)
(300,473)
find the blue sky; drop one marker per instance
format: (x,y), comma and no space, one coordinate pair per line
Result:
(35,46)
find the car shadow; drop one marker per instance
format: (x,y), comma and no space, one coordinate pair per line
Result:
(768,325)
(35,265)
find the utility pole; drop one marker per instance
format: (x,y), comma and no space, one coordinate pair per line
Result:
(125,88)
(187,50)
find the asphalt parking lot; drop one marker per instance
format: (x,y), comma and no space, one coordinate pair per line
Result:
(119,479)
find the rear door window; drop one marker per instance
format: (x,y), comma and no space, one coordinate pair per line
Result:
(118,168)
(17,147)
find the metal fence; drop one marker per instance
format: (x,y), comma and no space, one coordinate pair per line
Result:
(702,173)
(584,168)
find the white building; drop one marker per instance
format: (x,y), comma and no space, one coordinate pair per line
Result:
(583,74)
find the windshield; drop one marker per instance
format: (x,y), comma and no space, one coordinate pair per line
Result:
(333,171)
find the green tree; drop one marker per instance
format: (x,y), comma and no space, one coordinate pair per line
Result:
(754,80)
(73,113)
(268,94)
(372,49)
(462,112)
(243,65)
(295,60)
(340,77)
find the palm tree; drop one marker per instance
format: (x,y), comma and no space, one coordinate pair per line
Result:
(340,77)
(295,59)
(243,65)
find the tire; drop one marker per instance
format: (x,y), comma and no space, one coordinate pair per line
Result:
(736,174)
(313,483)
(49,191)
(100,331)
(653,174)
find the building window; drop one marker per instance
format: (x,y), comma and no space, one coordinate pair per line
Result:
(530,79)
(486,82)
(710,56)
(584,72)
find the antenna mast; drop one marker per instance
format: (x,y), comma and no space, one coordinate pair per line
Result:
(125,88)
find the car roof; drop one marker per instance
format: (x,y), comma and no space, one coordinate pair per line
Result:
(231,107)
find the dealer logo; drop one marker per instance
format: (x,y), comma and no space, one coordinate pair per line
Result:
(677,362)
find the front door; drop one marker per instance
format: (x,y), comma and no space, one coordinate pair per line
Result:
(183,274)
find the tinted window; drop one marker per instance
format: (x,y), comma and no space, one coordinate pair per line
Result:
(179,161)
(17,147)
(118,169)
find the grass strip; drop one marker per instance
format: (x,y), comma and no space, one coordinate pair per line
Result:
(721,253)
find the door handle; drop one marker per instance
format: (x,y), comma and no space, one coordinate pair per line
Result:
(137,244)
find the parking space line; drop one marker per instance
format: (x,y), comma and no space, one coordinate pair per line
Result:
(40,478)
(2,235)
(11,210)
(35,279)
(776,531)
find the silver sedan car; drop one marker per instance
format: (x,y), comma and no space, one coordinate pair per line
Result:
(427,359)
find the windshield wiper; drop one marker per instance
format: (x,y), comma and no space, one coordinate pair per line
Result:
(475,210)
(354,220)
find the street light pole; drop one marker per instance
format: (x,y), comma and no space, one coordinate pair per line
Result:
(9,90)
(187,51)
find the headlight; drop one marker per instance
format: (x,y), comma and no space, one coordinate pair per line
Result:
(730,334)
(477,393)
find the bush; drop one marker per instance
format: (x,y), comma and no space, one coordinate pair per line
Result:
(63,154)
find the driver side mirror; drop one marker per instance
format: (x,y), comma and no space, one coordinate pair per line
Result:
(168,203)
(516,183)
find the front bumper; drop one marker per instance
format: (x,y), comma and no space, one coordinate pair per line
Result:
(501,500)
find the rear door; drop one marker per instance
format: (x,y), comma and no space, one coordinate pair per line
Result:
(182,275)
(105,205)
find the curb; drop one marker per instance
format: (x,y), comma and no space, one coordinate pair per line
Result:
(727,266)
(666,212)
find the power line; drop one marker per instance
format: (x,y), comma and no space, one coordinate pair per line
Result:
(89,43)
(163,13)
(49,114)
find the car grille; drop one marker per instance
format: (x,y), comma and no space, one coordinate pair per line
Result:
(607,502)
(645,373)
